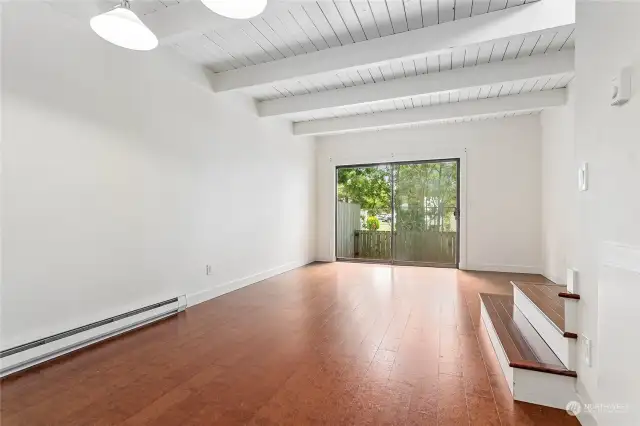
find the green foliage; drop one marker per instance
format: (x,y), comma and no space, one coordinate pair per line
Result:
(373,224)
(425,194)
(368,186)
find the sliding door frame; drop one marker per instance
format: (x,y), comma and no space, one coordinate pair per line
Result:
(456,263)
(335,215)
(392,165)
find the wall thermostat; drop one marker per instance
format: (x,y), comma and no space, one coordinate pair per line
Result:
(621,91)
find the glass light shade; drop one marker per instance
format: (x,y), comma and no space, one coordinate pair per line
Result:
(123,28)
(236,9)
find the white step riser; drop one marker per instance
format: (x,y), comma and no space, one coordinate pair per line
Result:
(550,390)
(571,315)
(563,347)
(534,387)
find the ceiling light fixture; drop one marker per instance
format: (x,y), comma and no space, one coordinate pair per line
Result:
(236,9)
(123,28)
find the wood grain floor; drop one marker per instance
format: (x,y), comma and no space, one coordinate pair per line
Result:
(334,344)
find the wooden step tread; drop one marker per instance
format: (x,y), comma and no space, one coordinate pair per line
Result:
(546,298)
(522,344)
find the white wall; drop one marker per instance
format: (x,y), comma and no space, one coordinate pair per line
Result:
(124,175)
(559,189)
(500,184)
(608,138)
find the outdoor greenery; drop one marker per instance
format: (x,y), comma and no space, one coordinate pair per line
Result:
(425,194)
(373,223)
(368,186)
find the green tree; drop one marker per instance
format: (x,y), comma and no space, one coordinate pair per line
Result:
(425,196)
(368,186)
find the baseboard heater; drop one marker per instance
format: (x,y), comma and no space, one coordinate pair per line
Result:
(29,354)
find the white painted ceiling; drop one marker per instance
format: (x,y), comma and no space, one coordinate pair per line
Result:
(483,92)
(476,118)
(295,28)
(86,8)
(462,57)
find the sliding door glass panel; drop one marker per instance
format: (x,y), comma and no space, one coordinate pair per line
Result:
(426,212)
(363,212)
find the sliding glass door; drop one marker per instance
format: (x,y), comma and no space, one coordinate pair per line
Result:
(404,213)
(363,213)
(426,213)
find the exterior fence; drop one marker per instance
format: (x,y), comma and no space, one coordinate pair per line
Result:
(410,246)
(347,224)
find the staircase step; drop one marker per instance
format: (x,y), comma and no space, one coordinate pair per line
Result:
(553,312)
(522,345)
(547,299)
(532,371)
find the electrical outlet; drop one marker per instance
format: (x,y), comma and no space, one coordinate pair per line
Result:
(209,270)
(587,347)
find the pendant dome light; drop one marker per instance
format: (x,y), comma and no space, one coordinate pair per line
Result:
(123,28)
(236,9)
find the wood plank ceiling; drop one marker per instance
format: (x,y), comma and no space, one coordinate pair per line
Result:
(468,56)
(150,6)
(289,29)
(467,119)
(295,28)
(507,89)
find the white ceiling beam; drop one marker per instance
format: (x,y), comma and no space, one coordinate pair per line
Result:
(517,103)
(527,19)
(462,78)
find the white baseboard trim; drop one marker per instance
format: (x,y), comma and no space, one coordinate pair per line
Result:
(584,417)
(517,269)
(587,419)
(211,293)
(557,280)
